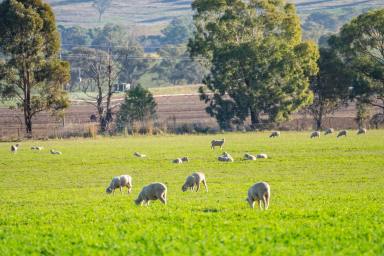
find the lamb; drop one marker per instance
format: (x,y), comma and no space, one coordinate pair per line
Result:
(249,157)
(138,154)
(259,192)
(36,148)
(120,182)
(193,181)
(55,152)
(225,157)
(217,143)
(264,156)
(14,148)
(342,133)
(274,134)
(152,191)
(328,131)
(177,161)
(361,131)
(315,134)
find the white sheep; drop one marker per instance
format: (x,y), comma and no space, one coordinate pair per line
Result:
(120,182)
(274,134)
(55,152)
(342,133)
(217,143)
(152,191)
(249,157)
(329,131)
(193,181)
(177,161)
(259,192)
(14,148)
(315,134)
(138,154)
(361,131)
(225,157)
(264,156)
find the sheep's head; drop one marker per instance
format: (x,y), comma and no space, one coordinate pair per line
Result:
(108,190)
(138,200)
(184,188)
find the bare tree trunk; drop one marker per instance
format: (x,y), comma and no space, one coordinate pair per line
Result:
(255,118)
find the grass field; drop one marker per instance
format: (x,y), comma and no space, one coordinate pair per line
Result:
(326,197)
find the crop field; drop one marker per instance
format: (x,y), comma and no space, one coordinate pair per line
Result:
(327,196)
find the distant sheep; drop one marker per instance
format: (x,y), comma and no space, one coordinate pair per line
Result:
(185,159)
(315,134)
(152,191)
(193,181)
(217,143)
(225,157)
(55,152)
(342,133)
(274,134)
(361,131)
(36,148)
(120,182)
(329,131)
(138,154)
(259,192)
(265,156)
(14,148)
(177,161)
(249,157)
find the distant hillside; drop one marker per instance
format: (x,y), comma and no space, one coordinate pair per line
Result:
(154,14)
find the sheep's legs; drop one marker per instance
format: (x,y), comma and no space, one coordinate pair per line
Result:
(205,185)
(163,199)
(121,190)
(197,186)
(259,202)
(266,201)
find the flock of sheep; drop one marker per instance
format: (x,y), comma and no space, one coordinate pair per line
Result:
(259,192)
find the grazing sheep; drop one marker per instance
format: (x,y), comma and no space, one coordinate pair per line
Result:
(193,181)
(265,156)
(259,192)
(249,157)
(36,148)
(342,133)
(328,131)
(14,148)
(177,161)
(274,134)
(217,143)
(152,191)
(120,182)
(315,134)
(361,131)
(185,159)
(138,154)
(55,152)
(225,157)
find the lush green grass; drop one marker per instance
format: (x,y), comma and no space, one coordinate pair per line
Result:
(327,197)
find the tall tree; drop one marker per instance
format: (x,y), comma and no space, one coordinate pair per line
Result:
(31,72)
(329,86)
(258,63)
(360,45)
(101,6)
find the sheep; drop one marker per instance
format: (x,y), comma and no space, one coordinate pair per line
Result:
(120,182)
(274,134)
(36,148)
(342,133)
(177,161)
(138,154)
(152,191)
(361,131)
(328,131)
(217,143)
(264,156)
(185,159)
(315,134)
(259,192)
(225,157)
(14,148)
(193,181)
(55,152)
(249,157)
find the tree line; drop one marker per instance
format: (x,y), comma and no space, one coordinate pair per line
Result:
(250,55)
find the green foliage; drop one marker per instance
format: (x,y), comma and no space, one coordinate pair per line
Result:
(138,106)
(72,37)
(258,63)
(31,72)
(101,6)
(360,46)
(326,197)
